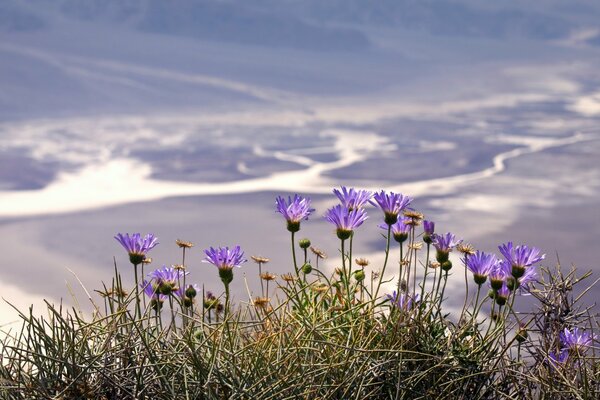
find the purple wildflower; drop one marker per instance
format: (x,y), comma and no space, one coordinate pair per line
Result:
(520,257)
(352,198)
(481,264)
(403,301)
(444,244)
(558,359)
(167,279)
(345,220)
(498,275)
(225,259)
(136,246)
(501,295)
(156,298)
(400,229)
(428,227)
(529,277)
(391,204)
(576,340)
(293,211)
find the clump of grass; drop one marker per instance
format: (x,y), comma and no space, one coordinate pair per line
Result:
(312,333)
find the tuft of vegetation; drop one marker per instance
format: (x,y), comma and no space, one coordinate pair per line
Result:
(311,334)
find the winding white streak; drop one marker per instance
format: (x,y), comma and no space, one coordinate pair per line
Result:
(125,181)
(452,184)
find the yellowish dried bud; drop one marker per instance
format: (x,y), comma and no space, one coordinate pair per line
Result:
(363,262)
(319,253)
(183,244)
(260,259)
(416,246)
(466,248)
(267,276)
(288,277)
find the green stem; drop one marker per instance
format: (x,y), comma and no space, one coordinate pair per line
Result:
(138,311)
(387,253)
(442,295)
(294,256)
(400,274)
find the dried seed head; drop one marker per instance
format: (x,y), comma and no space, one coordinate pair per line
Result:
(363,262)
(147,260)
(375,275)
(435,265)
(261,302)
(267,276)
(416,246)
(179,267)
(319,253)
(339,271)
(288,277)
(113,292)
(413,214)
(320,287)
(405,263)
(412,222)
(260,259)
(466,248)
(183,244)
(403,286)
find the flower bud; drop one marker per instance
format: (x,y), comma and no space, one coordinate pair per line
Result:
(441,256)
(226,275)
(522,335)
(304,243)
(307,268)
(517,271)
(390,218)
(293,226)
(400,237)
(359,275)
(427,238)
(136,258)
(447,265)
(343,234)
(190,292)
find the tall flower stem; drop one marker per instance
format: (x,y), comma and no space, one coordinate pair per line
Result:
(183,266)
(443,290)
(226,311)
(413,258)
(346,274)
(387,253)
(426,272)
(466,286)
(477,305)
(401,272)
(294,255)
(425,279)
(262,285)
(138,311)
(143,275)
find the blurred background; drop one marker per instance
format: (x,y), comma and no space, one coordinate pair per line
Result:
(186,118)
